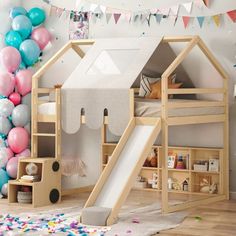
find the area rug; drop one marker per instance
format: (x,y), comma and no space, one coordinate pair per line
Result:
(143,221)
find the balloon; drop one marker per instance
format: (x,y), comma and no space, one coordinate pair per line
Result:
(7,83)
(2,142)
(27,100)
(37,16)
(28,127)
(15,98)
(20,115)
(41,36)
(30,52)
(24,81)
(10,59)
(22,25)
(22,66)
(5,125)
(3,178)
(12,166)
(4,190)
(18,139)
(9,153)
(26,153)
(13,39)
(6,107)
(3,158)
(16,11)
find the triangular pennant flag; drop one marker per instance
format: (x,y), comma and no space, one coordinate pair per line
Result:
(116,17)
(175,10)
(207,2)
(159,18)
(144,17)
(232,15)
(93,7)
(153,11)
(136,16)
(59,12)
(128,16)
(103,9)
(67,13)
(108,17)
(186,20)
(188,6)
(216,19)
(200,20)
(199,3)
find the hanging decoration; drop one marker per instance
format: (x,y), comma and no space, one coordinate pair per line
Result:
(98,12)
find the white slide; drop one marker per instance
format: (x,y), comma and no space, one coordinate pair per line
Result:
(119,175)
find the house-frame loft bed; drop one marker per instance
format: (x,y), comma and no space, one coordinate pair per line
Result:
(166,121)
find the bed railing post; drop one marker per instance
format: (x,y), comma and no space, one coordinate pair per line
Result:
(164,117)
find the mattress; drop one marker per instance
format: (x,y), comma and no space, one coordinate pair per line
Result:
(150,108)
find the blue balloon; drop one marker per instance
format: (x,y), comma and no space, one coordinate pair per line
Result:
(37,16)
(29,51)
(13,39)
(4,178)
(16,11)
(22,66)
(22,25)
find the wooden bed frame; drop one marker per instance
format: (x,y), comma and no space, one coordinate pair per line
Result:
(166,121)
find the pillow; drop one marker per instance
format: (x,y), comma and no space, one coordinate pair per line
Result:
(146,81)
(156,89)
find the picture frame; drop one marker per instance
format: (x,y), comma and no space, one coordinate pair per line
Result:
(171,160)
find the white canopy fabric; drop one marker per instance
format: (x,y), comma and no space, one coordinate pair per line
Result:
(102,81)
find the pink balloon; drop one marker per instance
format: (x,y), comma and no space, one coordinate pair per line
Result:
(12,166)
(10,153)
(24,81)
(15,98)
(18,139)
(7,83)
(10,58)
(41,36)
(26,153)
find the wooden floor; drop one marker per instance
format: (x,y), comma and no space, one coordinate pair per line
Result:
(216,219)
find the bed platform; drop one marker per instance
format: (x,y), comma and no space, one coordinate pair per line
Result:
(151,115)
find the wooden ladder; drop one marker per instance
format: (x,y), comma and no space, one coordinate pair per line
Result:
(48,190)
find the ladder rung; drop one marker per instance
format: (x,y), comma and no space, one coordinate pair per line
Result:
(44,135)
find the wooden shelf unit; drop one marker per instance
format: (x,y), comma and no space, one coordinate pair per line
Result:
(194,154)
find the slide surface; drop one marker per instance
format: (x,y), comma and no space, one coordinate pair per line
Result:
(118,177)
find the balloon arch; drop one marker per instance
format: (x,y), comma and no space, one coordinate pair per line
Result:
(25,43)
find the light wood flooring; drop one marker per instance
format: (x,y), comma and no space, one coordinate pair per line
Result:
(218,219)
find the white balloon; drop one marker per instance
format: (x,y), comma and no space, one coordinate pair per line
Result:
(27,100)
(6,107)
(5,125)
(28,128)
(4,190)
(20,115)
(3,158)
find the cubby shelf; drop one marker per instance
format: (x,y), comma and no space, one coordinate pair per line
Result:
(193,154)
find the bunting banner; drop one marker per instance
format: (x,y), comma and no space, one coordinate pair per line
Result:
(97,12)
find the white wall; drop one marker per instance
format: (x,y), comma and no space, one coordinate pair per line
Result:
(220,40)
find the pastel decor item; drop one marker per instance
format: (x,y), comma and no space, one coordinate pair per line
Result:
(41,36)
(15,98)
(2,141)
(18,139)
(24,154)
(9,153)
(20,115)
(27,100)
(30,52)
(3,178)
(37,16)
(232,15)
(5,125)
(24,81)
(4,190)
(16,11)
(6,107)
(22,66)
(28,128)
(22,25)
(3,158)
(10,59)
(31,169)
(7,83)
(13,39)
(186,20)
(12,166)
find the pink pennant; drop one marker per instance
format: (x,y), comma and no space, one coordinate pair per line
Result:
(116,17)
(128,16)
(232,15)
(186,20)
